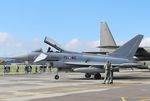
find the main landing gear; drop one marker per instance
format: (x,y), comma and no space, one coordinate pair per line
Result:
(96,76)
(87,75)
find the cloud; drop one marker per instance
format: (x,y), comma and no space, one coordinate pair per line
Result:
(11,46)
(145,42)
(73,44)
(34,44)
(90,45)
(3,37)
(77,45)
(6,40)
(93,44)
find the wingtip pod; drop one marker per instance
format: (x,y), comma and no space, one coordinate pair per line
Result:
(129,49)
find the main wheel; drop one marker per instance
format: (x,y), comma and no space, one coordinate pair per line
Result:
(56,77)
(87,75)
(97,76)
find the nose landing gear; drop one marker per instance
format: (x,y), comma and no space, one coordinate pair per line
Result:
(56,77)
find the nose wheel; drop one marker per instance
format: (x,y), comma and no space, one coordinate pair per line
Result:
(56,77)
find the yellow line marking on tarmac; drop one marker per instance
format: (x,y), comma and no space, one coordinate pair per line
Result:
(142,98)
(123,98)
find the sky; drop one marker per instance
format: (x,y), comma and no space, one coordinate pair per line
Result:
(74,24)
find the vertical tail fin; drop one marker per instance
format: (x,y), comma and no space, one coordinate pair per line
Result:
(129,49)
(107,42)
(106,38)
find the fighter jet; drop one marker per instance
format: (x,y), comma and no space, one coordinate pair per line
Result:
(108,44)
(91,64)
(25,59)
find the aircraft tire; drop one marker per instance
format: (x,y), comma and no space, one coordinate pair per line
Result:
(87,75)
(56,77)
(97,76)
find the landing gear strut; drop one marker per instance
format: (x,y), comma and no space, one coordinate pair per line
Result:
(97,76)
(56,76)
(87,75)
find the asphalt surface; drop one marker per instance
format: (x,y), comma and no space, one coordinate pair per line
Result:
(128,86)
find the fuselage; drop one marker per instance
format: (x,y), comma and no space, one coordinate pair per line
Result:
(59,59)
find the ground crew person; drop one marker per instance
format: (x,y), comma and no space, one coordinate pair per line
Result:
(107,72)
(17,70)
(4,69)
(36,69)
(26,69)
(111,75)
(30,69)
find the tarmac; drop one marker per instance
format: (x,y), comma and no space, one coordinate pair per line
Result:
(128,86)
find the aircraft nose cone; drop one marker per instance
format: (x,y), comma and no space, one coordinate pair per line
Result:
(20,57)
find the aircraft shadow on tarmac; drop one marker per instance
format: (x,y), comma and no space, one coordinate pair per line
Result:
(131,77)
(116,78)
